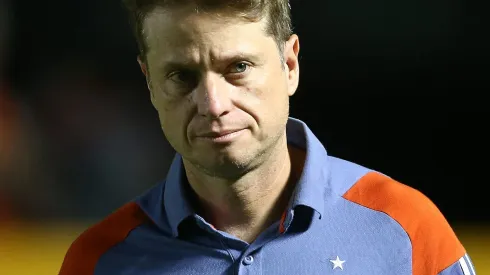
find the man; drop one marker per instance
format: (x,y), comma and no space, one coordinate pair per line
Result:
(252,191)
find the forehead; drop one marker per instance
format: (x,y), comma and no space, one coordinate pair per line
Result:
(184,31)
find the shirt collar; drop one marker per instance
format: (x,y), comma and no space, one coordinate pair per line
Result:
(166,204)
(309,191)
(175,201)
(311,187)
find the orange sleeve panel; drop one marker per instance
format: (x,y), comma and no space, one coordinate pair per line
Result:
(434,244)
(84,253)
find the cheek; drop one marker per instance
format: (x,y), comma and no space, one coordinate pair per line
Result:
(267,104)
(276,102)
(267,87)
(174,132)
(273,95)
(174,117)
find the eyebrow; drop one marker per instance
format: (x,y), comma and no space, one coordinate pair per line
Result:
(235,56)
(177,63)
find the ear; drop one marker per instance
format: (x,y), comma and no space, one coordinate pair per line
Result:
(144,70)
(291,58)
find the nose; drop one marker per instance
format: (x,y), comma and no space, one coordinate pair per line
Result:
(212,96)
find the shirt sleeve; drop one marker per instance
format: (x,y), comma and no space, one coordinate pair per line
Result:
(84,253)
(435,246)
(463,266)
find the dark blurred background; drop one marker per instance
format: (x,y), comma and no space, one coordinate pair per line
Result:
(397,86)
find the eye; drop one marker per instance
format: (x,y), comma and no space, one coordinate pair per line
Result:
(186,77)
(239,68)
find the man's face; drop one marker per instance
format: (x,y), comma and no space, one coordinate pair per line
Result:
(220,87)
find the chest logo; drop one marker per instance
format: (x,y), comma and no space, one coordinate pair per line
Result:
(337,263)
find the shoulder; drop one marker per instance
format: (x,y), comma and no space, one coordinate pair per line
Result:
(434,243)
(85,251)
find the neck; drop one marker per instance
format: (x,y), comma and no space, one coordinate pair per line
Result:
(247,206)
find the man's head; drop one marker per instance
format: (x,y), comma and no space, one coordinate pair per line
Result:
(215,67)
(276,12)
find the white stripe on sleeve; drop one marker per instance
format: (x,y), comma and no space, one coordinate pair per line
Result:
(464,266)
(470,264)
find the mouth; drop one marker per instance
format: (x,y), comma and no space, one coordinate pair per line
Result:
(221,136)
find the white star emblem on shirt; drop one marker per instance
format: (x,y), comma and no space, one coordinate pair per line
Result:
(337,263)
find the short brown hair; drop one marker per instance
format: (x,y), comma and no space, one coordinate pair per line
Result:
(277,12)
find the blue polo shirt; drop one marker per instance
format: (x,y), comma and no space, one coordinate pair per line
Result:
(342,219)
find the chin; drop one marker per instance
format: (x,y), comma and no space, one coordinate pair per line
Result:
(230,163)
(235,158)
